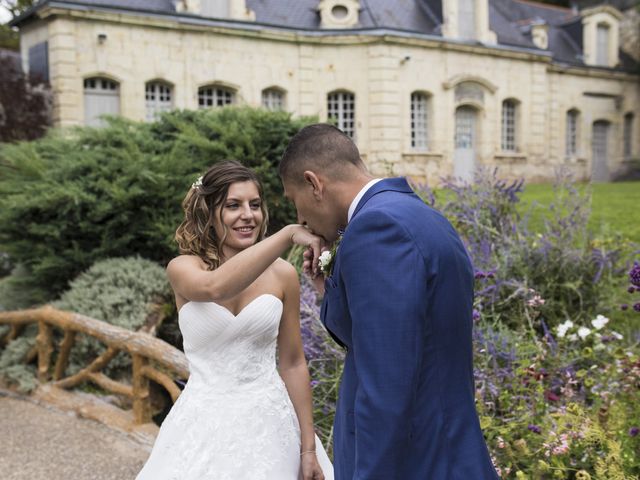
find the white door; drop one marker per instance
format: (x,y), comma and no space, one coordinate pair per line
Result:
(465,141)
(599,152)
(101,97)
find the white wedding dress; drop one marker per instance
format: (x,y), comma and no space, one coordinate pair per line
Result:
(234,420)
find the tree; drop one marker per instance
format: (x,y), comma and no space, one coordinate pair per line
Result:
(9,38)
(16,7)
(25,102)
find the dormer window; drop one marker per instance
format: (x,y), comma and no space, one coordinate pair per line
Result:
(601,32)
(235,9)
(339,13)
(467,20)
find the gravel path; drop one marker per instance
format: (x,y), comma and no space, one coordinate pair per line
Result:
(42,443)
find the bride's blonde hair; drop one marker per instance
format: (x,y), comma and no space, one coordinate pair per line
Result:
(196,235)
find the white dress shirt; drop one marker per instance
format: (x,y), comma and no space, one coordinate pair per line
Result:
(359,196)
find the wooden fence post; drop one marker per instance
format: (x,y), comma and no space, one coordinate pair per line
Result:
(44,342)
(140,383)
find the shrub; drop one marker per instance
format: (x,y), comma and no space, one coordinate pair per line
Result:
(118,291)
(67,201)
(12,361)
(525,278)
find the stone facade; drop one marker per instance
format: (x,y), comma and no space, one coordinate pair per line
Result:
(381,68)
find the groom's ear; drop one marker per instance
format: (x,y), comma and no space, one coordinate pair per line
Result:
(315,183)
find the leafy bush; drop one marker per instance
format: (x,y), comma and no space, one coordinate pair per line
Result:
(67,201)
(526,278)
(12,361)
(566,403)
(118,291)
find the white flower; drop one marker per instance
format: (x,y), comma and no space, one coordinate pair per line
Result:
(583,332)
(563,327)
(573,337)
(325,260)
(617,335)
(197,183)
(599,322)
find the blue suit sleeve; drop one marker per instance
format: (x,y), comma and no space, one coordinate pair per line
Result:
(385,280)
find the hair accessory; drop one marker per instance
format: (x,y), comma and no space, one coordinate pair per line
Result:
(197,183)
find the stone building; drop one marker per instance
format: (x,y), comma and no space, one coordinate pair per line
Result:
(426,88)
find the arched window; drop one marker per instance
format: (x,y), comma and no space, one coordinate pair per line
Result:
(273,98)
(341,108)
(420,120)
(571,134)
(628,135)
(509,125)
(158,98)
(602,45)
(101,97)
(215,96)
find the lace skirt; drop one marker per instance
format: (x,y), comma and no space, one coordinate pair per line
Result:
(248,433)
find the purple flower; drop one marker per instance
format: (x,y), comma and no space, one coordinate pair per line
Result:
(631,289)
(479,275)
(624,306)
(636,307)
(634,274)
(534,428)
(476,315)
(314,383)
(633,431)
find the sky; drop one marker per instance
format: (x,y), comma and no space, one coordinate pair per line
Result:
(4,15)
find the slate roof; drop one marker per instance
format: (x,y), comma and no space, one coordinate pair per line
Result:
(511,20)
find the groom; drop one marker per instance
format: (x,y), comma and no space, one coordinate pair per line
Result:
(399,299)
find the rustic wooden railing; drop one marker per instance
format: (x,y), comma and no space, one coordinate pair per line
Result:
(152,358)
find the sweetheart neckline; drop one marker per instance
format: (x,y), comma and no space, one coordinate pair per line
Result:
(229,311)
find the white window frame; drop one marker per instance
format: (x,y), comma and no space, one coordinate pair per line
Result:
(158,98)
(341,107)
(572,133)
(509,139)
(273,99)
(420,102)
(603,40)
(212,96)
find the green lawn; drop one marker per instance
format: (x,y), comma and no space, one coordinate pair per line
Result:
(615,207)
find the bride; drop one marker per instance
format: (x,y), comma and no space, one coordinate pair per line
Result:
(238,418)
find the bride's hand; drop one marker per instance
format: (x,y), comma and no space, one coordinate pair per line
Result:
(310,468)
(301,235)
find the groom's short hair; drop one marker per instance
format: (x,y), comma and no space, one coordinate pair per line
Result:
(321,148)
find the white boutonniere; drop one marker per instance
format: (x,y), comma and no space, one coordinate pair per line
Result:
(327,258)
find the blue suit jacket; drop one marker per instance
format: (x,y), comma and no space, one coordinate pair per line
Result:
(400,301)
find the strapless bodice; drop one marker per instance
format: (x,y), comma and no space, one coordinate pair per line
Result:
(227,350)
